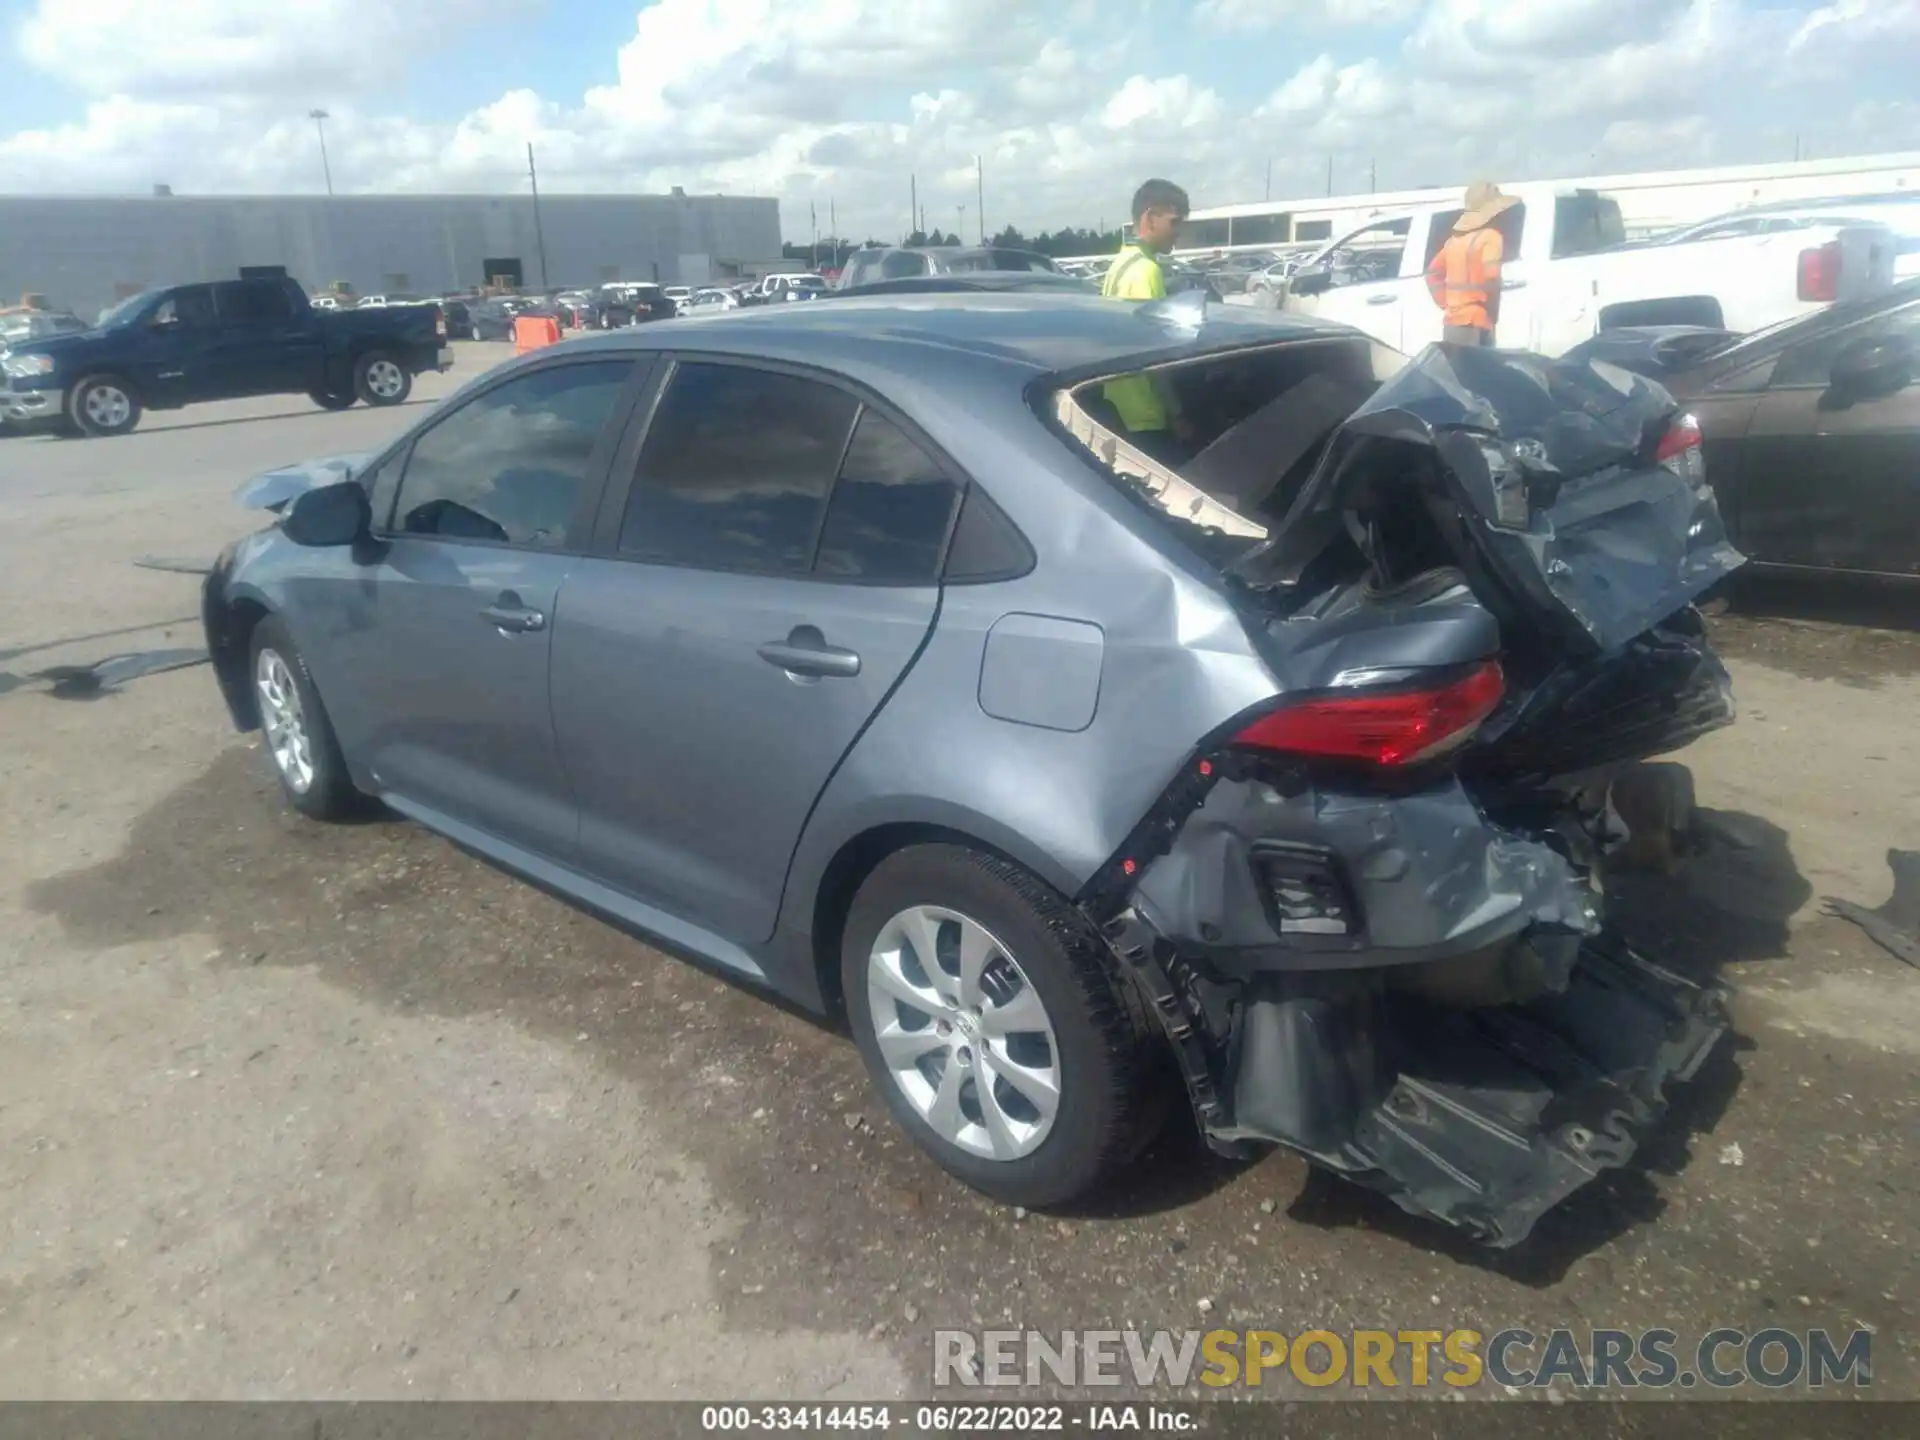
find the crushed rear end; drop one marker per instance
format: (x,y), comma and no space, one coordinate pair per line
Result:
(1371,914)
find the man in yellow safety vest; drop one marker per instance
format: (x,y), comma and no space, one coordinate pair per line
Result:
(1147,408)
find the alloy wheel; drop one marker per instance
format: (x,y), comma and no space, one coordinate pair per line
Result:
(385,379)
(963,1033)
(284,720)
(107,406)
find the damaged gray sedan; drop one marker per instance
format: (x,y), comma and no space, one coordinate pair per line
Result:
(861,653)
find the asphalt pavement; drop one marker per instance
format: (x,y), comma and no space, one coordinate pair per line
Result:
(289,1110)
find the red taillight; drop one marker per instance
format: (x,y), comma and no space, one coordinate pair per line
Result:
(1682,434)
(1680,449)
(1820,273)
(1397,728)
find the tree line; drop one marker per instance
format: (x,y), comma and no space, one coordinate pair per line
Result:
(832,252)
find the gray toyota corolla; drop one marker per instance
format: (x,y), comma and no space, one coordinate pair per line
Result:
(1265,750)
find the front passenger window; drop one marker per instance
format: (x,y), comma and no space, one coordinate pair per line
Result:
(509,465)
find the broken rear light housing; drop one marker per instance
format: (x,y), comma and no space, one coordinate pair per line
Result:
(1387,728)
(1680,449)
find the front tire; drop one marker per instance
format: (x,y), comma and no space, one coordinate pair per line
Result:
(103,405)
(327,400)
(295,732)
(379,379)
(996,1026)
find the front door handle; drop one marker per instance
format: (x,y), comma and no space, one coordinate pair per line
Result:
(805,652)
(511,616)
(1513,284)
(1381,299)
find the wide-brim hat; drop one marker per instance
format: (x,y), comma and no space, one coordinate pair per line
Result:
(1484,204)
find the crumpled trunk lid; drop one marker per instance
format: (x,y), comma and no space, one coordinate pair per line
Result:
(1553,500)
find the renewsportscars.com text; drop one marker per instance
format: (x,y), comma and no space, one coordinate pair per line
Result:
(1720,1359)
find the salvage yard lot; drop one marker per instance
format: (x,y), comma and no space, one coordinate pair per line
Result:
(299,1111)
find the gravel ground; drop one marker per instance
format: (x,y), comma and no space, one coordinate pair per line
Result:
(298,1111)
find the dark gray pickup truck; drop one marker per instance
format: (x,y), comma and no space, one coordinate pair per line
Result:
(163,349)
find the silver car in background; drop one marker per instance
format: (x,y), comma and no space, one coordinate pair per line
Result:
(863,653)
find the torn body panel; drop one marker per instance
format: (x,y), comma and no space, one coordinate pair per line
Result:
(1408,978)
(1549,485)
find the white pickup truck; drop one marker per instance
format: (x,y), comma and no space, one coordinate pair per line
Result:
(1569,273)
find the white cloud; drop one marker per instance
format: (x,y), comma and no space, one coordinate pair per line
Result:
(1234,16)
(204,48)
(1069,106)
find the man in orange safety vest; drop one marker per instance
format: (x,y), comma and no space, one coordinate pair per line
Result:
(1464,275)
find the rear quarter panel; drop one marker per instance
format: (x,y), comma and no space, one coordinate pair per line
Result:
(1174,663)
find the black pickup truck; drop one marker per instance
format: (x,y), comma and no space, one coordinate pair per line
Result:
(163,349)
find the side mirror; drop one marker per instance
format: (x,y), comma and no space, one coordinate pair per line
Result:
(1311,282)
(1870,368)
(336,514)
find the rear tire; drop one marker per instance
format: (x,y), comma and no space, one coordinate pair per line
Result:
(380,379)
(295,732)
(103,405)
(1047,1002)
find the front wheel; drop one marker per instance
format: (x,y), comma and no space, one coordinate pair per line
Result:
(329,400)
(379,379)
(996,1026)
(103,405)
(295,730)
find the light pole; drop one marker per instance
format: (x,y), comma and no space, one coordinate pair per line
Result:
(320,118)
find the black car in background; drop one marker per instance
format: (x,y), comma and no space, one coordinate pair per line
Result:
(1812,428)
(493,317)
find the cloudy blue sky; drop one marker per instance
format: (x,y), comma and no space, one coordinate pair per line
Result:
(1070,102)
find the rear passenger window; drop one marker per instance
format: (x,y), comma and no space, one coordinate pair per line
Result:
(736,470)
(890,510)
(509,465)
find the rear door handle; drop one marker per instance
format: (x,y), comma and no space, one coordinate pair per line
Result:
(805,652)
(1381,299)
(1513,284)
(509,615)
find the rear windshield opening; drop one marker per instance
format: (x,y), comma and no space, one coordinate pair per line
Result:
(1251,426)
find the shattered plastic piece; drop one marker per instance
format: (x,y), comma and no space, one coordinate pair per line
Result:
(276,489)
(1732,1154)
(83,682)
(1895,926)
(179,567)
(1486,1119)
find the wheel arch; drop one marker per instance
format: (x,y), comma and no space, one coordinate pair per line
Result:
(230,625)
(830,897)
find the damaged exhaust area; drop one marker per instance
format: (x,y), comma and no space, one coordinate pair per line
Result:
(1370,917)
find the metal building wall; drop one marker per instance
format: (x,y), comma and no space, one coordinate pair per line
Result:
(82,252)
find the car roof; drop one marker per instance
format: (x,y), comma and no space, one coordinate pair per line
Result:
(944,339)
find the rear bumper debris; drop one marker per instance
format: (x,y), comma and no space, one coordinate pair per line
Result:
(1483,1118)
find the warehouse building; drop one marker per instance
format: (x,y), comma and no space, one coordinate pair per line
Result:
(83,253)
